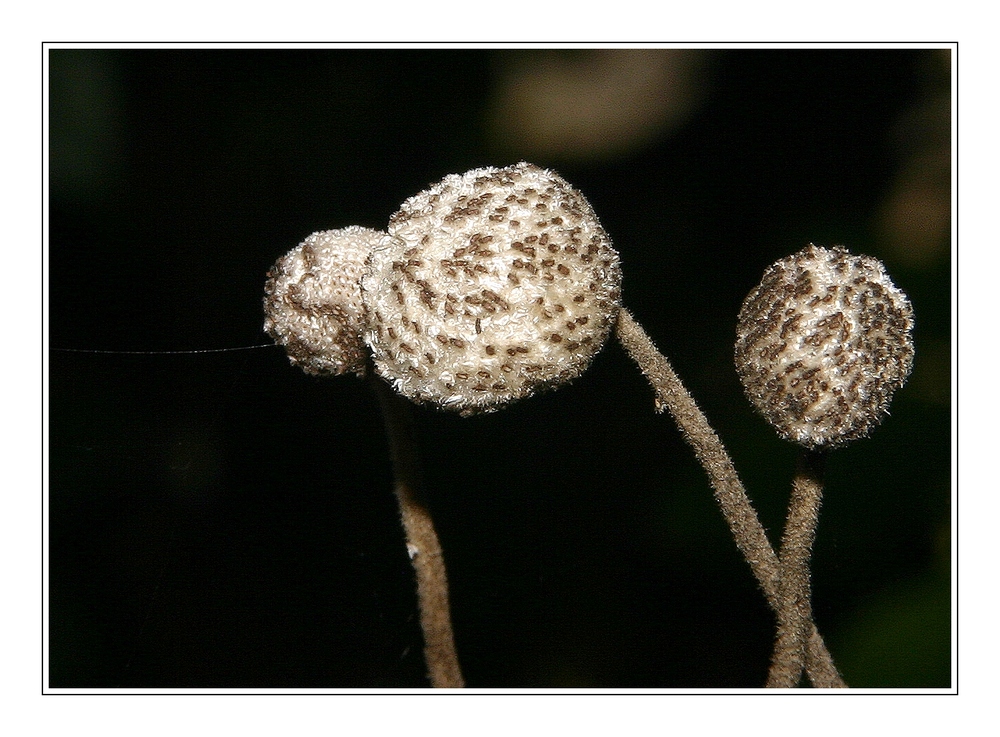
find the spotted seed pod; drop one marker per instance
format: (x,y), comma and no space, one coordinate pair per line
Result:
(313,302)
(494,284)
(822,344)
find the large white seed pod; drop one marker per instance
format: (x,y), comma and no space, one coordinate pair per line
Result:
(822,344)
(313,304)
(494,284)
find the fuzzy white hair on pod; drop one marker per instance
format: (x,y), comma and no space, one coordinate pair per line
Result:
(823,343)
(313,305)
(492,285)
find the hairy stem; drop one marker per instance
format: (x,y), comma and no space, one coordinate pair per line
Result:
(421,542)
(795,610)
(747,531)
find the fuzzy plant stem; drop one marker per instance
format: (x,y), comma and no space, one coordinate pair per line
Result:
(747,531)
(421,542)
(795,610)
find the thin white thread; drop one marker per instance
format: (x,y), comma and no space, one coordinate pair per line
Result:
(166,353)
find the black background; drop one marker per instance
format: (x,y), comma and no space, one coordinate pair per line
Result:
(224,520)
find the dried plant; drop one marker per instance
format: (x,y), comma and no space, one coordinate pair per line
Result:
(496,284)
(491,286)
(823,342)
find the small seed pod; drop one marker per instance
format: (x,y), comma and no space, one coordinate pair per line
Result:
(822,344)
(494,284)
(313,302)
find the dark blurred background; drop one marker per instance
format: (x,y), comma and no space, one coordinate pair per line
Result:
(224,520)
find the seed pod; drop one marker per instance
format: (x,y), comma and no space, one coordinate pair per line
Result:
(822,344)
(494,284)
(313,302)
